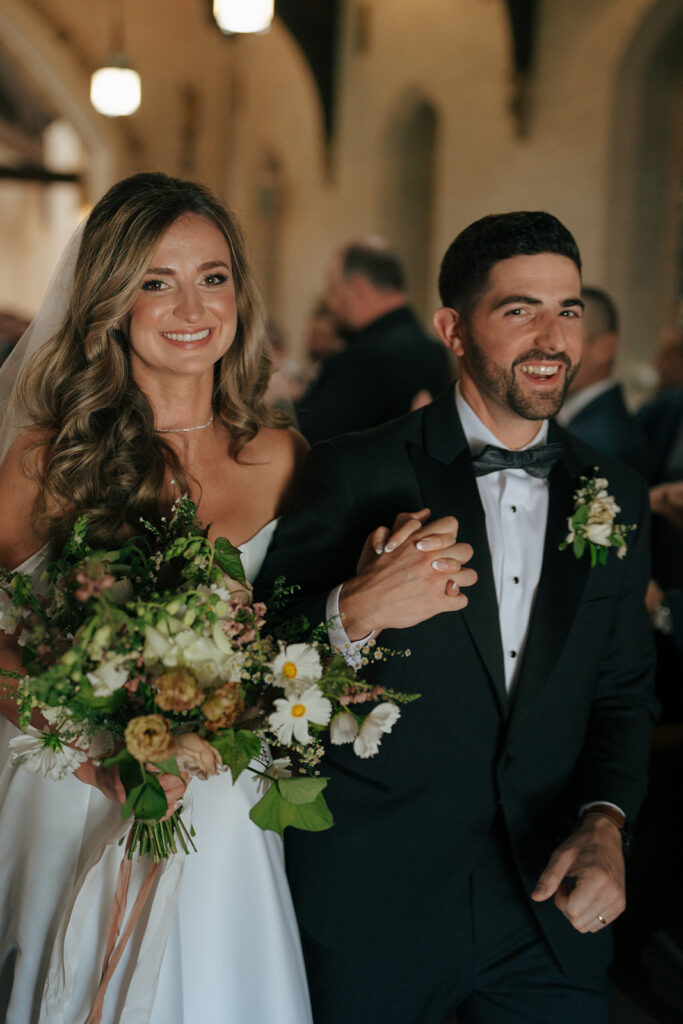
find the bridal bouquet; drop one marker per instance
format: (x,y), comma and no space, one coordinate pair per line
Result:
(154,658)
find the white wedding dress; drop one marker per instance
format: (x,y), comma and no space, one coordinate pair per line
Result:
(220,944)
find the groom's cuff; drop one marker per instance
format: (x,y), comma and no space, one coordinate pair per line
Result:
(595,804)
(349,649)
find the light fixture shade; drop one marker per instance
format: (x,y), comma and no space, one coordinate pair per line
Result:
(115,90)
(243,15)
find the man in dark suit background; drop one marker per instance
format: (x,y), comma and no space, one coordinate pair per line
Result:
(476,862)
(388,361)
(595,409)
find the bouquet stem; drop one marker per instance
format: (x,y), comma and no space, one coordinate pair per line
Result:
(159,839)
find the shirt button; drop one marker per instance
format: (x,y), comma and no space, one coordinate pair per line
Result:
(513,507)
(515,579)
(513,654)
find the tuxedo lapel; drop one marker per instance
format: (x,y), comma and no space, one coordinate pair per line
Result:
(448,487)
(563,578)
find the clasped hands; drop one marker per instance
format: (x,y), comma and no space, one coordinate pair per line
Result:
(406,575)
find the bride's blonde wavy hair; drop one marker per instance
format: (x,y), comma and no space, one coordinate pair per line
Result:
(103,457)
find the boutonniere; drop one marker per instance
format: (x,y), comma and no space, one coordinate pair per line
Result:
(592,524)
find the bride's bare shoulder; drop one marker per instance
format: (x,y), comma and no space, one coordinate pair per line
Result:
(20,491)
(282,447)
(281,453)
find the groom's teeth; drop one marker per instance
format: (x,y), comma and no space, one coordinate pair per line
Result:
(197,336)
(541,371)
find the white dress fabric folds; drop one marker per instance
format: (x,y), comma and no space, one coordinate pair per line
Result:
(218,942)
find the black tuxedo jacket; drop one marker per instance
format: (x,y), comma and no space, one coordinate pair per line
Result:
(410,822)
(607,424)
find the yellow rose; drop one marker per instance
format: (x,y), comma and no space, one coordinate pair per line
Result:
(148,738)
(178,690)
(222,707)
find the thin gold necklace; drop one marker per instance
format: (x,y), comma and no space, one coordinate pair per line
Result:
(184,430)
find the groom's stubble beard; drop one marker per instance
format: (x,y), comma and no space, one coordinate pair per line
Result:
(502,384)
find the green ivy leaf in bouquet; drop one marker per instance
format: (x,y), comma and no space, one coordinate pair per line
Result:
(296,803)
(237,749)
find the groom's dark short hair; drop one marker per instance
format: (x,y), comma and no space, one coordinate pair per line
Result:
(465,267)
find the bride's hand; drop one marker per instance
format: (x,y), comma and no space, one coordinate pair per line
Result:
(384,539)
(108,781)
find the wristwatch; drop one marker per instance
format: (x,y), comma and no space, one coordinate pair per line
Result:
(614,815)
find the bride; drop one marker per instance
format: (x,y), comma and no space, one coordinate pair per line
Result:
(149,386)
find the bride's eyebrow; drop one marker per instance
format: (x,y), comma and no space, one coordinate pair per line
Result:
(209,265)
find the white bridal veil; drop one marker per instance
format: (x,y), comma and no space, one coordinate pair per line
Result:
(40,330)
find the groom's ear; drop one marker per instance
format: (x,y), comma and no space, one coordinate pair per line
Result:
(448,324)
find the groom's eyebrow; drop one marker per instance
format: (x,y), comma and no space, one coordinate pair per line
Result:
(529,300)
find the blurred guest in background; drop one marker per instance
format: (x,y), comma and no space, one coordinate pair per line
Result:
(669,359)
(595,409)
(388,359)
(322,339)
(286,380)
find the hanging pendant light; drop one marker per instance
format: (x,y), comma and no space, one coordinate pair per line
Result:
(243,15)
(115,88)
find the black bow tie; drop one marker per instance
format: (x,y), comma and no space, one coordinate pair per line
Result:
(536,461)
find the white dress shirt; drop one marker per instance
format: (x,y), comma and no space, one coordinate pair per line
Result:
(516,509)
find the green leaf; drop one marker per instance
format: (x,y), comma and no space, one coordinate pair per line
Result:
(302,790)
(236,749)
(127,809)
(147,801)
(228,558)
(168,767)
(274,813)
(123,758)
(579,546)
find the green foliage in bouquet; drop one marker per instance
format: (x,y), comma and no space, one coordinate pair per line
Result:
(153,658)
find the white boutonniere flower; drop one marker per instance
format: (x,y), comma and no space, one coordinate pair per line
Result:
(592,525)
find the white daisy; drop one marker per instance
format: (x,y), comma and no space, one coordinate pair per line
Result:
(280,768)
(295,712)
(343,728)
(296,667)
(380,720)
(42,753)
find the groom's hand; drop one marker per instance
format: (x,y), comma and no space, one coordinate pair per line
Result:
(593,861)
(406,584)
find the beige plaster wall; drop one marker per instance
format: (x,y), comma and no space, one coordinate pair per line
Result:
(255,101)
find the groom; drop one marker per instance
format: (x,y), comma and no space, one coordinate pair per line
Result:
(476,862)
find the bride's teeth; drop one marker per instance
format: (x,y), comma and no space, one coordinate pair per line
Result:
(541,371)
(197,336)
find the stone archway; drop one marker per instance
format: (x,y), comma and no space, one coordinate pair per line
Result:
(646,175)
(407,199)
